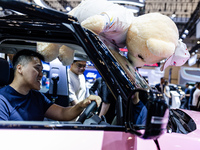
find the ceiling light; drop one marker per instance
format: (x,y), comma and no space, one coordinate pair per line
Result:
(173,16)
(68,8)
(183,36)
(186,32)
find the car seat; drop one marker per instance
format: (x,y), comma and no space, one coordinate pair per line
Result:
(5,72)
(58,88)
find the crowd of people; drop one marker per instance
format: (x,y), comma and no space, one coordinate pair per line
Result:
(190,100)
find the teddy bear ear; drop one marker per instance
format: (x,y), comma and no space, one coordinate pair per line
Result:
(160,48)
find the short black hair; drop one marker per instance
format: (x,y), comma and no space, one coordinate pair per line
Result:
(198,84)
(75,61)
(26,52)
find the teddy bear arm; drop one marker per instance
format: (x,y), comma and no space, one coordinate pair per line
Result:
(48,50)
(94,23)
(66,55)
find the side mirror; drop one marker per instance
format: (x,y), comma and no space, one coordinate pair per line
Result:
(147,110)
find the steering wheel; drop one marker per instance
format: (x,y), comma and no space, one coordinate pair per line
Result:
(92,106)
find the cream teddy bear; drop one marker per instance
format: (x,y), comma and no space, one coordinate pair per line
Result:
(149,38)
(51,51)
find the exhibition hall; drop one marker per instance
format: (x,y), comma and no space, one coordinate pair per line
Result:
(100,74)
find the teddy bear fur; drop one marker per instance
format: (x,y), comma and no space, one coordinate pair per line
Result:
(149,38)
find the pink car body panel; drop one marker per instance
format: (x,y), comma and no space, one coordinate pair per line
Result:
(178,141)
(24,139)
(72,140)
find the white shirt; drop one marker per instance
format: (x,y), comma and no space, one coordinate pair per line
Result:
(195,97)
(77,87)
(167,89)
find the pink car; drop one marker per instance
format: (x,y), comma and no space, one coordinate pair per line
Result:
(150,126)
(37,135)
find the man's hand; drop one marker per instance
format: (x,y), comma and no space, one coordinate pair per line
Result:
(88,100)
(57,112)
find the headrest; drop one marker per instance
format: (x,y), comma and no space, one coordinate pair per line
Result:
(5,72)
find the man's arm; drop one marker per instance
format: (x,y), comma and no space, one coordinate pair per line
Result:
(105,103)
(60,113)
(4,114)
(187,93)
(74,102)
(104,109)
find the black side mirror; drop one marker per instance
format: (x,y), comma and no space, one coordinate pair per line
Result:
(155,112)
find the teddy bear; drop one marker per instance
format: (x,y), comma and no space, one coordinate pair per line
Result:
(51,51)
(149,38)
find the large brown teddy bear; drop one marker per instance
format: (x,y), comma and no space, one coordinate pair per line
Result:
(149,38)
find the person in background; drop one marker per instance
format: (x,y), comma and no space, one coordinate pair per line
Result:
(95,89)
(196,95)
(185,101)
(22,101)
(107,107)
(167,95)
(191,94)
(44,79)
(77,83)
(139,110)
(160,86)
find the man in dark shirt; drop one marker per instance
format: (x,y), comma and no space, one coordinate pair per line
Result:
(139,110)
(160,86)
(185,102)
(21,100)
(107,107)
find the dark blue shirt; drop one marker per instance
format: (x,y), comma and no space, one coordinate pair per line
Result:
(15,106)
(139,113)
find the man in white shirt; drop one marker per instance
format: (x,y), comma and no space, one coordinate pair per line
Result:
(196,95)
(77,86)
